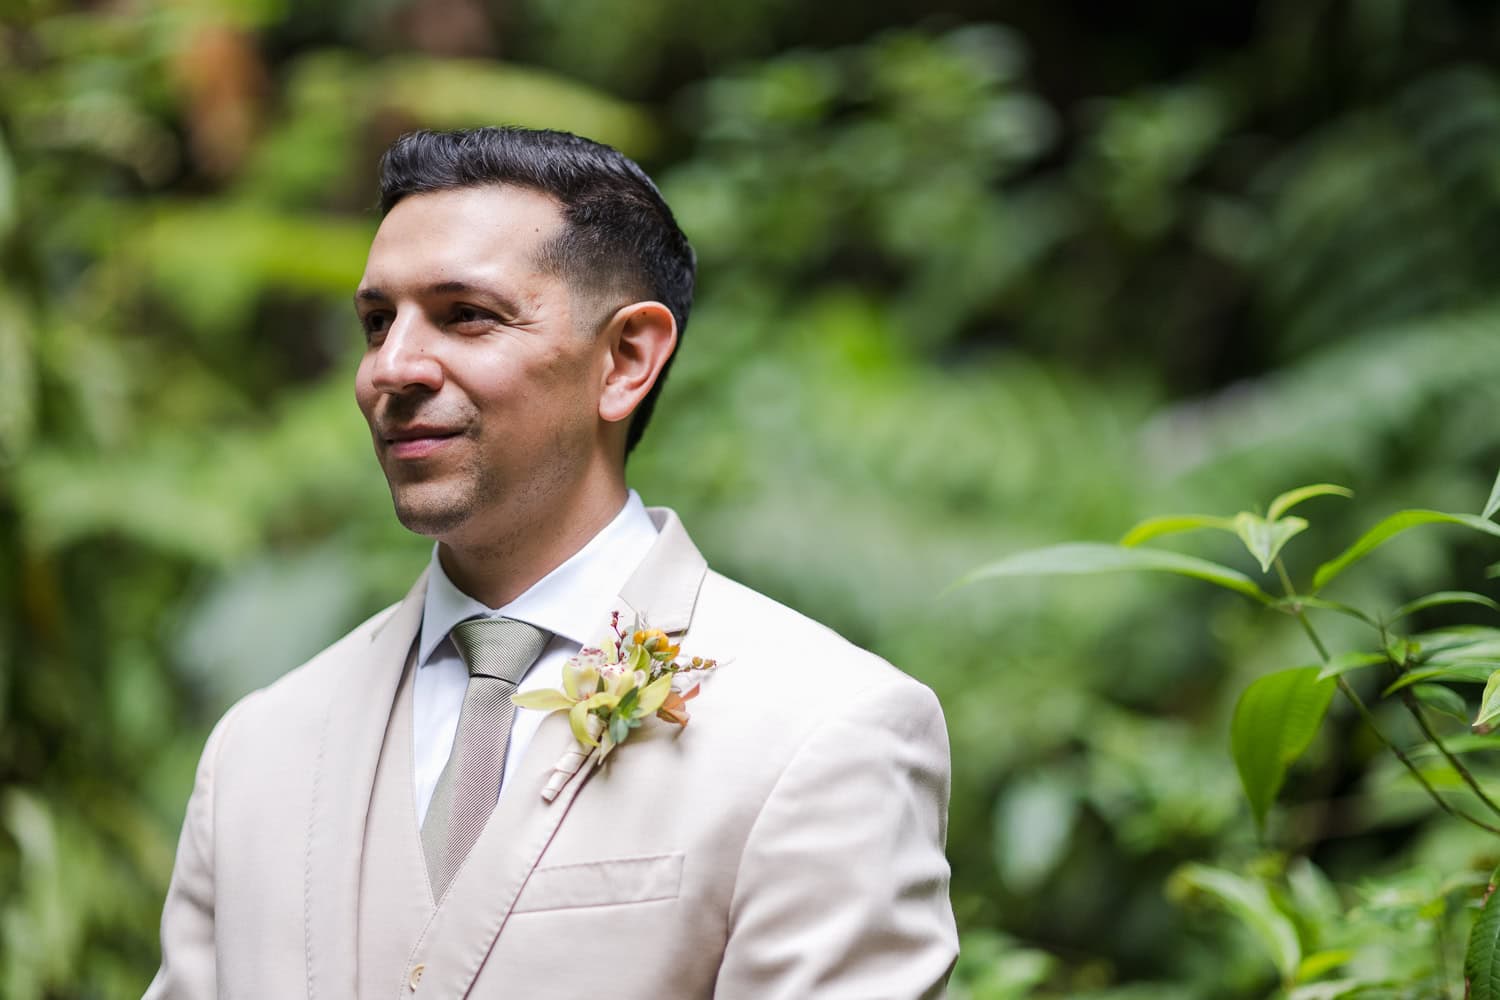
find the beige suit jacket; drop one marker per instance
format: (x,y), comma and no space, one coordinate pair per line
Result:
(786,844)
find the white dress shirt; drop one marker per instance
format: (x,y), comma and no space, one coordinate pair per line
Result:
(572,602)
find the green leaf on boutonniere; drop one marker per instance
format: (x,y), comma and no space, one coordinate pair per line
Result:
(578,719)
(627,704)
(653,695)
(613,688)
(546,701)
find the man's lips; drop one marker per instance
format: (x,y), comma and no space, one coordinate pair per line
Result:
(416,441)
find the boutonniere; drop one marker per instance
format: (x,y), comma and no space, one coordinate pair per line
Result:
(611,689)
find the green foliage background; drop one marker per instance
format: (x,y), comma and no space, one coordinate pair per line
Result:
(973,279)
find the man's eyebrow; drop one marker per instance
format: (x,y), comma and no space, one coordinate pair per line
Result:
(373,294)
(370,295)
(451,287)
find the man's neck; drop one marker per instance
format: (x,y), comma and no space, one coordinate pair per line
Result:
(503,565)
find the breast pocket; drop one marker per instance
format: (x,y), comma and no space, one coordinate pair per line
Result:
(607,882)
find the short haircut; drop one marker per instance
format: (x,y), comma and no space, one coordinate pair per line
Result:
(619,236)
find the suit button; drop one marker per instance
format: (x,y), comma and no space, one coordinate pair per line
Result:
(416,975)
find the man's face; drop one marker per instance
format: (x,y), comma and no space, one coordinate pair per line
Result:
(481,395)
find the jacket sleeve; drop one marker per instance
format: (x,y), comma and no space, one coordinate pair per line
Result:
(842,890)
(187,969)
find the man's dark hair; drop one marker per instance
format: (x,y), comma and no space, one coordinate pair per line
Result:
(619,236)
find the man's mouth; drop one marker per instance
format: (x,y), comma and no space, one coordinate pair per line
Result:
(417,441)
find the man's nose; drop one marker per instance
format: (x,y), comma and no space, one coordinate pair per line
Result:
(405,360)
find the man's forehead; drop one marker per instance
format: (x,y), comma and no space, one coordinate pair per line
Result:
(441,241)
(507,203)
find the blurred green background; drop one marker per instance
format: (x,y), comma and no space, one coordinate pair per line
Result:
(972,279)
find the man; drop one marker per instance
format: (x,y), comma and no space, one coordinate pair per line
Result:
(521,302)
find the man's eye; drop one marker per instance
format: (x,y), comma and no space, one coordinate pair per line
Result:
(374,323)
(469,314)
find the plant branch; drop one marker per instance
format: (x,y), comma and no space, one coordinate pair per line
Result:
(1369,719)
(1410,701)
(1416,772)
(1286,581)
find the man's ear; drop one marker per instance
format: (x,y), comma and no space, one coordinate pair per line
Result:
(641,338)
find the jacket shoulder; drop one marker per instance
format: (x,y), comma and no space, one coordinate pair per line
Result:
(787,638)
(776,662)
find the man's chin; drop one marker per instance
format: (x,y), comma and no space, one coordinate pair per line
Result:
(428,519)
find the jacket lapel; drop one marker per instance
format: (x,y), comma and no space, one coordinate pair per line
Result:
(344,777)
(664,587)
(453,948)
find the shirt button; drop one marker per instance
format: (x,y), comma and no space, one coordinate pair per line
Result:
(416,975)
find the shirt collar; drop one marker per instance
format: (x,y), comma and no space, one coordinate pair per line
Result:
(573,600)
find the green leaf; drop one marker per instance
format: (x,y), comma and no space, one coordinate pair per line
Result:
(1311,894)
(1493,503)
(1265,538)
(1483,650)
(578,719)
(1457,638)
(1489,704)
(1442,699)
(1173,524)
(1274,721)
(1482,957)
(1322,962)
(1345,662)
(1251,904)
(1477,672)
(1441,598)
(1292,498)
(654,694)
(1389,528)
(546,700)
(619,728)
(639,659)
(1078,558)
